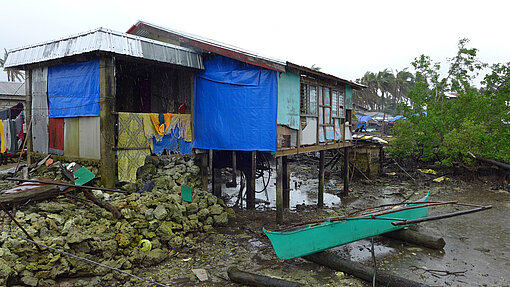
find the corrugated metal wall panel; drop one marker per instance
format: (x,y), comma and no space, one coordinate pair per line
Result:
(89,137)
(348,97)
(72,137)
(40,110)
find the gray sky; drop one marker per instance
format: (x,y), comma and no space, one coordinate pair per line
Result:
(344,38)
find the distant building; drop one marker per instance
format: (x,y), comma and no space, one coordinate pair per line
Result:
(11,93)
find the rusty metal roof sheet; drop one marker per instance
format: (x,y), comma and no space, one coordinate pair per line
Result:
(105,40)
(314,73)
(144,29)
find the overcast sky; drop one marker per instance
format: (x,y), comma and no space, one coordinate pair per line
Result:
(344,38)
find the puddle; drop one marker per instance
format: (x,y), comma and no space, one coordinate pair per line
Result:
(301,192)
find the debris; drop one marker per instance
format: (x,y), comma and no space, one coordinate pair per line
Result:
(186,193)
(201,274)
(440,179)
(145,245)
(49,162)
(428,171)
(148,186)
(391,173)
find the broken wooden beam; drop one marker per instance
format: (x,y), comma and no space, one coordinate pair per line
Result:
(88,194)
(25,193)
(251,279)
(417,238)
(359,270)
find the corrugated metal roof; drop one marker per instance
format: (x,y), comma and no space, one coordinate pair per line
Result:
(143,29)
(106,40)
(12,88)
(312,72)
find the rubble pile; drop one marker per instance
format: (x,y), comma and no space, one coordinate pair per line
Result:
(160,219)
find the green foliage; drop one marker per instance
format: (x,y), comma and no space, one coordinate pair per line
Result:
(444,130)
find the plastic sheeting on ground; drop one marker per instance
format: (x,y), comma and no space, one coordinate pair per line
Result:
(73,90)
(235,106)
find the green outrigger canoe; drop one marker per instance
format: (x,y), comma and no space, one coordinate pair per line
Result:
(308,238)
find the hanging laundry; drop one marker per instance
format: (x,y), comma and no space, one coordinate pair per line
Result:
(161,122)
(19,128)
(2,137)
(5,114)
(131,135)
(7,135)
(16,110)
(172,143)
(13,147)
(183,122)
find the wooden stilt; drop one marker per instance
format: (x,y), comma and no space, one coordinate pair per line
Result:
(234,168)
(279,190)
(250,189)
(107,93)
(286,182)
(320,197)
(28,114)
(346,171)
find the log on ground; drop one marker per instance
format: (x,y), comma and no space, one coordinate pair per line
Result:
(417,238)
(25,193)
(251,279)
(359,270)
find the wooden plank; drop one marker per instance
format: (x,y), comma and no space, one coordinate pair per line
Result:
(107,91)
(304,149)
(56,135)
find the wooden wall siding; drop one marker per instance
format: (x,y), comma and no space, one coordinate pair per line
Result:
(71,137)
(89,134)
(40,110)
(288,100)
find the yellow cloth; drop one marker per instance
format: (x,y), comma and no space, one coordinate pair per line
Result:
(183,122)
(2,137)
(161,128)
(131,134)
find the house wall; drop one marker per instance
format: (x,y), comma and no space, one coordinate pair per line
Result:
(288,100)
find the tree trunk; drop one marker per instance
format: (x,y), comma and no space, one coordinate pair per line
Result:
(359,270)
(417,238)
(35,193)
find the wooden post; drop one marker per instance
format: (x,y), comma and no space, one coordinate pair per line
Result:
(279,190)
(203,170)
(234,168)
(28,114)
(286,182)
(346,171)
(107,89)
(250,189)
(320,197)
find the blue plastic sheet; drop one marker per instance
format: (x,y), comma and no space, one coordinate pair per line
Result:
(73,90)
(235,106)
(171,143)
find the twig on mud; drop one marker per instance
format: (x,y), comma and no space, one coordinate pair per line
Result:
(437,273)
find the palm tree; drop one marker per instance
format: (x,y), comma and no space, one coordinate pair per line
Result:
(386,85)
(404,80)
(12,75)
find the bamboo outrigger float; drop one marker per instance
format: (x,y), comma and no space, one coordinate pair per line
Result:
(312,237)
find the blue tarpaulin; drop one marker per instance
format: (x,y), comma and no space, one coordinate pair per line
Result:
(235,106)
(172,143)
(73,90)
(364,118)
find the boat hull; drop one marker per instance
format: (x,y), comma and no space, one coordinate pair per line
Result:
(312,239)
